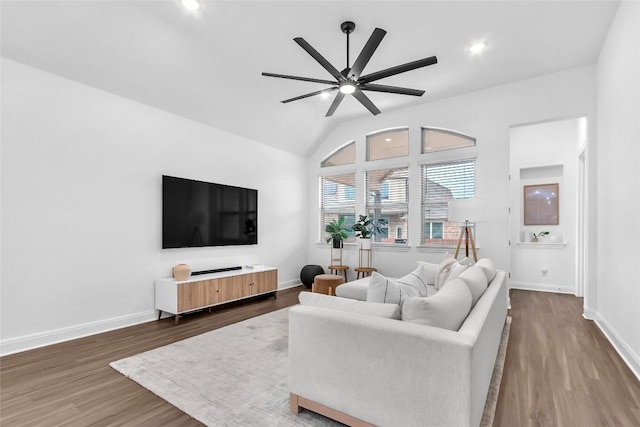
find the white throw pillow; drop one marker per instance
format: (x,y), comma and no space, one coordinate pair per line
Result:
(476,280)
(449,268)
(487,267)
(388,291)
(447,309)
(418,279)
(389,311)
(431,269)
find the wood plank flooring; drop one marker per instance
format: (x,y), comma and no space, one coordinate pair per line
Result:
(559,371)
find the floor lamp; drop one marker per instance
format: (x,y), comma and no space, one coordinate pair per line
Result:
(466,211)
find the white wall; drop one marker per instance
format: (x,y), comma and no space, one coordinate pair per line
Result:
(544,153)
(486,115)
(618,303)
(81,205)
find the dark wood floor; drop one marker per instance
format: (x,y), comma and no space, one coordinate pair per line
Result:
(559,371)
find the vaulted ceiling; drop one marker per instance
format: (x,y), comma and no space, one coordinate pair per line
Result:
(206,65)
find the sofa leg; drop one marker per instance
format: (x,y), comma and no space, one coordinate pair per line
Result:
(293,402)
(298,403)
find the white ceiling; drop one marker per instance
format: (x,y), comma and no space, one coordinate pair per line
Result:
(207,66)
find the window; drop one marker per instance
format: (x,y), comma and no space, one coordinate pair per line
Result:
(344,156)
(388,144)
(338,201)
(433,230)
(439,140)
(440,183)
(388,199)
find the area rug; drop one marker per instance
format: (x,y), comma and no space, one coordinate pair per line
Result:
(238,375)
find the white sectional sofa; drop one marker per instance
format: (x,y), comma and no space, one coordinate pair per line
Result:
(358,363)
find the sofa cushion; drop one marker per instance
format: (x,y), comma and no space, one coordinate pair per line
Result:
(447,309)
(356,289)
(389,311)
(487,267)
(476,280)
(385,290)
(449,268)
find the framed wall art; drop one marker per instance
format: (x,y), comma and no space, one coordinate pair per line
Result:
(541,204)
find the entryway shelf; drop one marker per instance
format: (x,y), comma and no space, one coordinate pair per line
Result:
(542,245)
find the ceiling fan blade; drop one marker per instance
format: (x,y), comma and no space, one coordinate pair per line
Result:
(318,92)
(334,105)
(304,79)
(390,89)
(364,100)
(398,69)
(321,60)
(367,51)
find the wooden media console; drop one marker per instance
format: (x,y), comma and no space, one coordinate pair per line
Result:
(202,291)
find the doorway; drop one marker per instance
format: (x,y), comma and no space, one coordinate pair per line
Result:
(549,253)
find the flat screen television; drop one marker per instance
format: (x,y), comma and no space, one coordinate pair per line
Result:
(197,213)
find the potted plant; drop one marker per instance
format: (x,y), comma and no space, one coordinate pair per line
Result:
(365,228)
(337,231)
(540,234)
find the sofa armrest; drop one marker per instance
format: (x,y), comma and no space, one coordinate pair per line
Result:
(386,372)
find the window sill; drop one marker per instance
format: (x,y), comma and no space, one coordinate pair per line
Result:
(542,245)
(443,248)
(374,246)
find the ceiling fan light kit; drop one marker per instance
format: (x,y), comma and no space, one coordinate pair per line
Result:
(193,5)
(347,88)
(350,81)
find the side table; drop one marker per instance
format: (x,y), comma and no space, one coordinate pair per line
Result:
(364,271)
(335,269)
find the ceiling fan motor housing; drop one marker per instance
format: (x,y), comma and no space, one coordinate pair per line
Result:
(347,27)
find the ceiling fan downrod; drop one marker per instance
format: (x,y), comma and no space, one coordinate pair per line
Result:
(347,27)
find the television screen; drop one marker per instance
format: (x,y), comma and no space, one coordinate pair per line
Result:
(196,214)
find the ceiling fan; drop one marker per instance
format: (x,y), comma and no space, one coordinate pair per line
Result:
(350,80)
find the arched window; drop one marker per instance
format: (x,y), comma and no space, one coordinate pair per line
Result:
(388,144)
(434,139)
(345,155)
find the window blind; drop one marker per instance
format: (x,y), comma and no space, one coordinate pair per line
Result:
(440,183)
(338,200)
(388,200)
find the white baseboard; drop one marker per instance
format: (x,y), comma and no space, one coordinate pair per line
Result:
(624,350)
(289,284)
(589,314)
(542,287)
(55,336)
(41,339)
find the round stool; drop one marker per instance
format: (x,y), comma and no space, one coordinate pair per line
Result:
(326,283)
(364,271)
(308,273)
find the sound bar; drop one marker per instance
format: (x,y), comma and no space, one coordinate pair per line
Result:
(216,270)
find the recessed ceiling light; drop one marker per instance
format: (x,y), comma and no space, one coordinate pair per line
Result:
(347,88)
(192,4)
(388,139)
(478,47)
